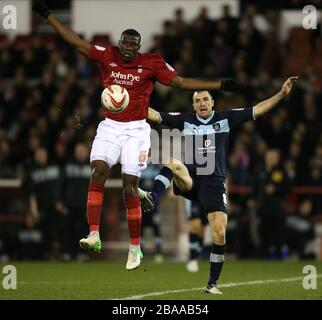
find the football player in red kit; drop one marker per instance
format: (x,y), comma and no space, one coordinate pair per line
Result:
(124,136)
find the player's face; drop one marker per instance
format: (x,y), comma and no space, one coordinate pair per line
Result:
(129,47)
(203,104)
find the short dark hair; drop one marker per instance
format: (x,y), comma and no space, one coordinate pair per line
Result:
(131,32)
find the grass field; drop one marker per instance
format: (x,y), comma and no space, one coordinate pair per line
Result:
(240,280)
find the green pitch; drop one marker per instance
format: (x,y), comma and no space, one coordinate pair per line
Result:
(167,281)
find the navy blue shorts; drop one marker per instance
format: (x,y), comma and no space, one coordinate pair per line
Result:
(195,211)
(209,191)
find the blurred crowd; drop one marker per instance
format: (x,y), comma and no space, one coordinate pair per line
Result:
(50,104)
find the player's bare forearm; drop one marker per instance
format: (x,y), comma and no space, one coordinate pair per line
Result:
(69,36)
(268,104)
(195,84)
(154,116)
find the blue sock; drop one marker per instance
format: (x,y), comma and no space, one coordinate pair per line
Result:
(216,263)
(200,241)
(161,182)
(194,246)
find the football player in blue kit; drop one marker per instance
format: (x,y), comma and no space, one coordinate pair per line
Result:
(202,175)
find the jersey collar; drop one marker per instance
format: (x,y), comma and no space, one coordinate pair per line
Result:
(206,120)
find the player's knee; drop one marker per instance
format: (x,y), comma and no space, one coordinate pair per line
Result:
(219,235)
(195,227)
(129,191)
(99,174)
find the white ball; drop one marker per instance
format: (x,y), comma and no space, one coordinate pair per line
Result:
(115,98)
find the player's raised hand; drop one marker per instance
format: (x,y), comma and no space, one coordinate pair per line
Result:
(288,84)
(41,8)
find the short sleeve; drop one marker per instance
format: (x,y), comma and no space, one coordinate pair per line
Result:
(163,72)
(238,116)
(97,53)
(173,119)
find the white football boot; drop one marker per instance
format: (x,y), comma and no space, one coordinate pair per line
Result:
(212,289)
(134,258)
(192,266)
(92,242)
(147,202)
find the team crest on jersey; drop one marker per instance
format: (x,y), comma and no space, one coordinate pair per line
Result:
(217,126)
(100,48)
(112,64)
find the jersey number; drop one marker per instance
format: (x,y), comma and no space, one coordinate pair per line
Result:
(143,156)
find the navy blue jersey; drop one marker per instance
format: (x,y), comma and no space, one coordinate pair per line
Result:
(206,140)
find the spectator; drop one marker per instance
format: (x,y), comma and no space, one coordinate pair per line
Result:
(221,55)
(271,186)
(300,230)
(44,186)
(77,173)
(180,24)
(314,179)
(30,243)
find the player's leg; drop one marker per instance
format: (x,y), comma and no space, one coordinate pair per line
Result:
(173,169)
(193,211)
(133,208)
(212,196)
(104,154)
(100,172)
(95,198)
(218,224)
(195,247)
(155,223)
(134,160)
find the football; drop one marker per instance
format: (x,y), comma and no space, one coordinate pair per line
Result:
(115,98)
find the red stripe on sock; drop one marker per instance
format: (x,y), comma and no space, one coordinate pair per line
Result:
(95,186)
(134,218)
(133,202)
(94,227)
(94,205)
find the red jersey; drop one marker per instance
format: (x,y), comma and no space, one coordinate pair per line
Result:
(137,77)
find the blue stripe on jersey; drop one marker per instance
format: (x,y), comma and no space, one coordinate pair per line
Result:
(217,257)
(164,180)
(217,127)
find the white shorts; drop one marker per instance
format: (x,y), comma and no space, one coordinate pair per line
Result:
(124,142)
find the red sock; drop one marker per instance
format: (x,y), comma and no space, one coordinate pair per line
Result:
(94,205)
(134,218)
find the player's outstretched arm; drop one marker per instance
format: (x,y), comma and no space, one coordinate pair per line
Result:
(196,84)
(154,116)
(268,104)
(67,34)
